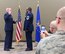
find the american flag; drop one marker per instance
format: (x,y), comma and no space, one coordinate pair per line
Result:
(19,27)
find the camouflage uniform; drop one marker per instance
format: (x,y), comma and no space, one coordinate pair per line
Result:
(54,44)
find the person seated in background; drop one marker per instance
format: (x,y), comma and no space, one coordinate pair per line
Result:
(53,27)
(55,43)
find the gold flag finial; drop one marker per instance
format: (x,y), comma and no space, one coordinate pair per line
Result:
(19,6)
(38,1)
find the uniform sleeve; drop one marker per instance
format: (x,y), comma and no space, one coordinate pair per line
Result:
(38,49)
(6,16)
(14,22)
(31,18)
(40,44)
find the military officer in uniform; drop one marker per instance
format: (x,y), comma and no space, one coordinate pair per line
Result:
(28,28)
(8,30)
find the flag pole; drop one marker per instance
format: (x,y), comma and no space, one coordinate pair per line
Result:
(20,10)
(18,7)
(37,38)
(37,6)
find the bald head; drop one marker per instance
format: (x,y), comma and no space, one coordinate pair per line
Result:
(61,13)
(61,19)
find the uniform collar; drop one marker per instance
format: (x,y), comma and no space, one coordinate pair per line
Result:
(60,32)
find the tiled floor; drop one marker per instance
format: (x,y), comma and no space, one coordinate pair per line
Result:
(19,49)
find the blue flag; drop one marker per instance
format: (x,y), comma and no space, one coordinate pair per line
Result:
(38,22)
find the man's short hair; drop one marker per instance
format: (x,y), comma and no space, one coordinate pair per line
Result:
(7,9)
(30,9)
(53,23)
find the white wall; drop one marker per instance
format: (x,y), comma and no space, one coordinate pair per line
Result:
(48,9)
